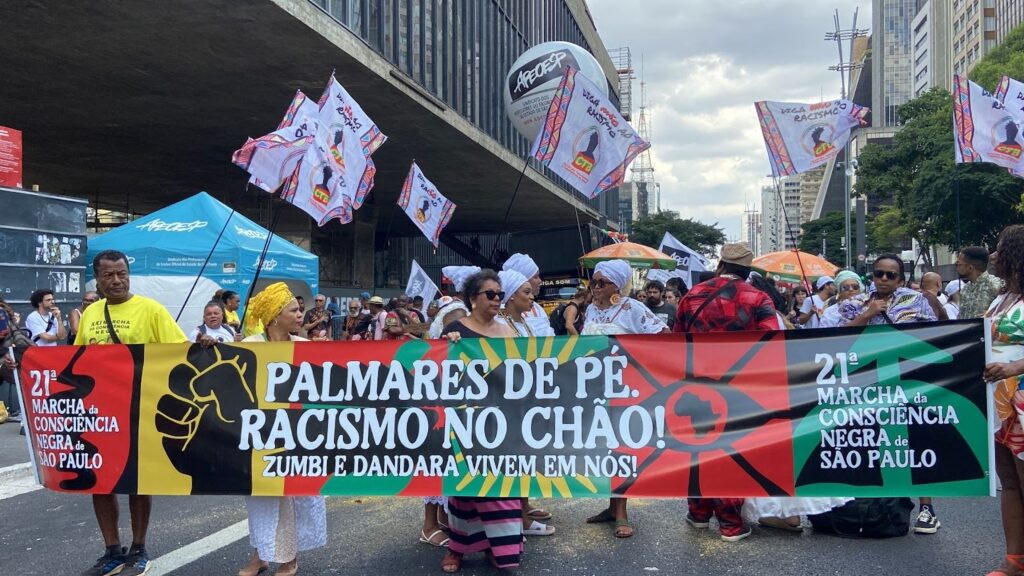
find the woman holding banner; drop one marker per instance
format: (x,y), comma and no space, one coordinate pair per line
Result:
(435,515)
(516,304)
(280,527)
(1006,369)
(489,525)
(612,313)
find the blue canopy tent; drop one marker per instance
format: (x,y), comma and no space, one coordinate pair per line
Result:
(167,248)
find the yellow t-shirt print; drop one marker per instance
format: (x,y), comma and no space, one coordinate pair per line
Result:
(140,320)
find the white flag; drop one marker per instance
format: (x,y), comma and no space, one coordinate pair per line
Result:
(425,206)
(688,261)
(800,137)
(985,130)
(584,139)
(300,107)
(272,159)
(1011,93)
(421,285)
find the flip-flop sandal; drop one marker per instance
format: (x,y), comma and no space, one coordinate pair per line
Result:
(539,514)
(451,563)
(619,532)
(601,517)
(538,529)
(431,539)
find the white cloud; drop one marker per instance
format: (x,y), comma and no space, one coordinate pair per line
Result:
(705,64)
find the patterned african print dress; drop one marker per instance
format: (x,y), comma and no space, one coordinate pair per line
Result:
(1007,314)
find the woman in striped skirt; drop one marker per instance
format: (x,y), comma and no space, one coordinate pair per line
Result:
(493,526)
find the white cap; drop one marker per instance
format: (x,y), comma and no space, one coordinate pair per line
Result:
(824,281)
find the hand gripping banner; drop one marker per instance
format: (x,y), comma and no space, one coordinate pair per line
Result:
(876,411)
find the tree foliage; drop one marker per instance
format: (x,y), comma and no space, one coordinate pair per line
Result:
(1006,59)
(699,236)
(831,227)
(917,178)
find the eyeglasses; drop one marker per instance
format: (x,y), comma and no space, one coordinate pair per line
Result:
(320,300)
(491,294)
(885,274)
(849,287)
(600,283)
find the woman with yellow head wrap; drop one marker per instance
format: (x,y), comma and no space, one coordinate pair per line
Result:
(280,527)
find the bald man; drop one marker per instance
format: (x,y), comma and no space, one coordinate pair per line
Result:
(931,285)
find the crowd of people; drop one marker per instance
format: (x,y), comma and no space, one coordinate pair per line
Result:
(498,304)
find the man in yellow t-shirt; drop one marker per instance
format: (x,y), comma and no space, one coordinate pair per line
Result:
(123,318)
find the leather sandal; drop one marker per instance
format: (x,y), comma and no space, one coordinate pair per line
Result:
(451,563)
(601,517)
(623,529)
(254,567)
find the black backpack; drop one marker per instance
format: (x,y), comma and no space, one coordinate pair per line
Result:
(866,518)
(557,319)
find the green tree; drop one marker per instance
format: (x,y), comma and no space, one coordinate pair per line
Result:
(916,175)
(830,227)
(699,236)
(890,231)
(1006,59)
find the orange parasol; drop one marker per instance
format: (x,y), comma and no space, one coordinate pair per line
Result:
(785,267)
(638,255)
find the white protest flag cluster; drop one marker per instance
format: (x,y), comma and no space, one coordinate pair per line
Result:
(425,206)
(688,261)
(987,127)
(584,138)
(320,154)
(421,285)
(800,137)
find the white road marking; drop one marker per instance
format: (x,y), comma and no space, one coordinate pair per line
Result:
(190,553)
(17,480)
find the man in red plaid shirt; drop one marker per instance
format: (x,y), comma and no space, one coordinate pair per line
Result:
(725,303)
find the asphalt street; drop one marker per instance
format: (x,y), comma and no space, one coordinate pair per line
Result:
(45,533)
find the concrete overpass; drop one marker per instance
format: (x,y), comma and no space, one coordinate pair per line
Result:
(135,105)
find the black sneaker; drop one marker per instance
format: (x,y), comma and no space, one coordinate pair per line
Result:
(136,564)
(927,522)
(697,523)
(107,564)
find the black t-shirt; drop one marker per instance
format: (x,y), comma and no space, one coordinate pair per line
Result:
(666,313)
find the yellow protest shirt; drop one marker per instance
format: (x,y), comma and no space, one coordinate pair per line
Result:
(140,320)
(230,317)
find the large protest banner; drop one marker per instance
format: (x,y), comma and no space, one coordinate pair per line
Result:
(872,411)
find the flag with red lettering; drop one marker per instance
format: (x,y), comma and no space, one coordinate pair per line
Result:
(585,139)
(425,206)
(801,137)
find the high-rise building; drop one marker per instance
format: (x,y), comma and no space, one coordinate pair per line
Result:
(810,185)
(974,32)
(892,59)
(1009,15)
(930,33)
(780,217)
(634,203)
(750,229)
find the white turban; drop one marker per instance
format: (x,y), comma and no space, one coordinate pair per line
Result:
(511,280)
(617,272)
(459,274)
(953,287)
(523,264)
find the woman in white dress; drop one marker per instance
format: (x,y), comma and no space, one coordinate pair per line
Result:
(280,527)
(516,305)
(612,313)
(785,513)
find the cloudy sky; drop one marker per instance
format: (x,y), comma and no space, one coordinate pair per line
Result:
(705,63)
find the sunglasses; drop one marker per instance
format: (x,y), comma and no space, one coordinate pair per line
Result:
(885,274)
(600,283)
(491,294)
(849,287)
